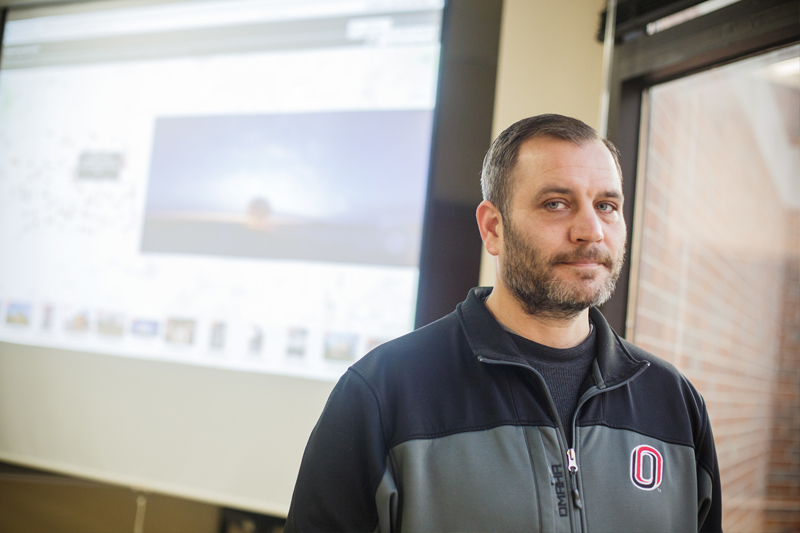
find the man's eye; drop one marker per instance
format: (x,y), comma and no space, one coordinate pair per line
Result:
(555,204)
(605,206)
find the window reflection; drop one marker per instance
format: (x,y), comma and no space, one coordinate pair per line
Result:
(717,269)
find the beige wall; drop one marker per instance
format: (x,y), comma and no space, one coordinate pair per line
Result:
(550,62)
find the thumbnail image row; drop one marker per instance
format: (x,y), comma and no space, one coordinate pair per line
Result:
(185,332)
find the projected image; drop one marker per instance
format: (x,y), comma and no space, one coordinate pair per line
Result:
(77,320)
(18,314)
(47,317)
(110,324)
(144,328)
(99,165)
(341,187)
(340,346)
(255,340)
(296,345)
(180,332)
(217,340)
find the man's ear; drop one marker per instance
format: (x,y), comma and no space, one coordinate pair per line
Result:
(490,224)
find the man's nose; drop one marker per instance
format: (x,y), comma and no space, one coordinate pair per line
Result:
(586,226)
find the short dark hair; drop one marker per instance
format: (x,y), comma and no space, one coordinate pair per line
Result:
(501,158)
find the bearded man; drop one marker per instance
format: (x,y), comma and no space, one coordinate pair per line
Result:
(522,410)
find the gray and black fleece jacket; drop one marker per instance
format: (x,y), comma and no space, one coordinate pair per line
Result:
(449,429)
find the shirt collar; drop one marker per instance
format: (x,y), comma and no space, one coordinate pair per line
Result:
(489,340)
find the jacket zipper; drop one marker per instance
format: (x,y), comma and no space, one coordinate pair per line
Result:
(571,453)
(573,471)
(562,438)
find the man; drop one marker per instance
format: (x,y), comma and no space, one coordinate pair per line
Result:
(521,410)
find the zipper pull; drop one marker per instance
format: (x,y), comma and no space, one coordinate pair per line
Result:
(576,497)
(573,469)
(572,463)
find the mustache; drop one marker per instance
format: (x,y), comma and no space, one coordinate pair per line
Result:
(592,255)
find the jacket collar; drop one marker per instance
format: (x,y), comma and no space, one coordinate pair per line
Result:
(489,340)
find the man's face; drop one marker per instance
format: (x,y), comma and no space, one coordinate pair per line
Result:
(564,233)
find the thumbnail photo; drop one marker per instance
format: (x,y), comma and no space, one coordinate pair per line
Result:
(18,314)
(345,187)
(47,317)
(99,165)
(144,328)
(217,338)
(110,324)
(340,346)
(296,342)
(180,332)
(255,341)
(76,320)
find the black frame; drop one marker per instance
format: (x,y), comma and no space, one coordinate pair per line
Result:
(3,14)
(743,29)
(462,132)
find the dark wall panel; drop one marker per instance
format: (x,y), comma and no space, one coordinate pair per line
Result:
(451,244)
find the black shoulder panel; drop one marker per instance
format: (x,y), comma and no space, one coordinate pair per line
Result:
(660,403)
(346,449)
(429,384)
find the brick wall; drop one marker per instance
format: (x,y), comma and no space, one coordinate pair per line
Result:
(712,294)
(783,484)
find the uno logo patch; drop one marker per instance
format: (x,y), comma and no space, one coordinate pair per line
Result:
(647,467)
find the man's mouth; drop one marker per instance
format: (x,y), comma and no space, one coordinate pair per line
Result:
(582,264)
(584,260)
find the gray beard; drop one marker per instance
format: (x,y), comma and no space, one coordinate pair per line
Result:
(529,275)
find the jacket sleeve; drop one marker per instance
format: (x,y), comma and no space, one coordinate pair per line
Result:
(343,465)
(709,493)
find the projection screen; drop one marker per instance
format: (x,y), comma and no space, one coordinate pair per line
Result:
(208,211)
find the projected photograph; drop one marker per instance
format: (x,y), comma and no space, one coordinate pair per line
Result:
(296,344)
(217,339)
(180,331)
(340,346)
(110,324)
(255,340)
(343,187)
(144,328)
(18,314)
(76,320)
(47,317)
(99,165)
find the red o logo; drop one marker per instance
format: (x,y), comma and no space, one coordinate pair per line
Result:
(646,467)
